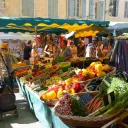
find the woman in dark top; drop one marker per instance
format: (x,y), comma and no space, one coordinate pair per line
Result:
(81,49)
(27,50)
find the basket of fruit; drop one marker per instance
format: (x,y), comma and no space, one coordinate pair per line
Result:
(94,71)
(52,95)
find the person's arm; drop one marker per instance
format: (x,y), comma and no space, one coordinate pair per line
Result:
(82,52)
(69,55)
(54,51)
(74,50)
(45,49)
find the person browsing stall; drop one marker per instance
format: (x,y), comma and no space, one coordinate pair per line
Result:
(65,51)
(27,50)
(49,49)
(81,49)
(6,61)
(73,49)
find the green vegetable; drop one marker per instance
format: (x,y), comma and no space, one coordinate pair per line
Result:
(38,89)
(77,108)
(120,88)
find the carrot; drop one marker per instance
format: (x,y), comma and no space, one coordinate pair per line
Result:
(94,104)
(99,104)
(96,101)
(90,103)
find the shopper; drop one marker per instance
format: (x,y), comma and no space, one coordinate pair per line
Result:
(65,52)
(91,50)
(27,50)
(73,49)
(81,49)
(6,59)
(49,49)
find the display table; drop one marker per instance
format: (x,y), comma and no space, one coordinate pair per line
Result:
(43,113)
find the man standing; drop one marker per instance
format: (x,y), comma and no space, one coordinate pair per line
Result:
(27,50)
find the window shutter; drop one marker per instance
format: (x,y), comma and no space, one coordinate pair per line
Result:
(83,8)
(101,10)
(25,7)
(91,8)
(28,8)
(55,9)
(117,6)
(52,8)
(31,8)
(71,4)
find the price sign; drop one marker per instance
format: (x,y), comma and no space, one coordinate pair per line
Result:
(85,99)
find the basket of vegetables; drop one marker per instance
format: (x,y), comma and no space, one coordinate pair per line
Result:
(97,112)
(71,112)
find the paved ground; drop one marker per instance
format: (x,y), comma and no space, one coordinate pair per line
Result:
(25,120)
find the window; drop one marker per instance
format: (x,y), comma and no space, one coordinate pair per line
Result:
(126,10)
(77,8)
(28,8)
(114,10)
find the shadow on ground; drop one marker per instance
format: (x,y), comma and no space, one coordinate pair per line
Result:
(25,119)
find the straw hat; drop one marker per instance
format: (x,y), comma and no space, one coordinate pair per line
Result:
(4,45)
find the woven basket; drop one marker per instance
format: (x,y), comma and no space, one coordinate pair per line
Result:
(53,102)
(87,122)
(89,80)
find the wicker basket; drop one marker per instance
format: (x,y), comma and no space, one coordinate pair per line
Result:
(53,102)
(94,93)
(88,122)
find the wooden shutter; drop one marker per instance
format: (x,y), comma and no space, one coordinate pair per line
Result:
(28,8)
(25,7)
(126,10)
(91,9)
(83,9)
(117,6)
(31,8)
(71,4)
(101,10)
(52,8)
(55,9)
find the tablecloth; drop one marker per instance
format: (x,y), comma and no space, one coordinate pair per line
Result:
(43,113)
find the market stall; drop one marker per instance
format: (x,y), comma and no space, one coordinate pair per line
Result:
(45,85)
(37,87)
